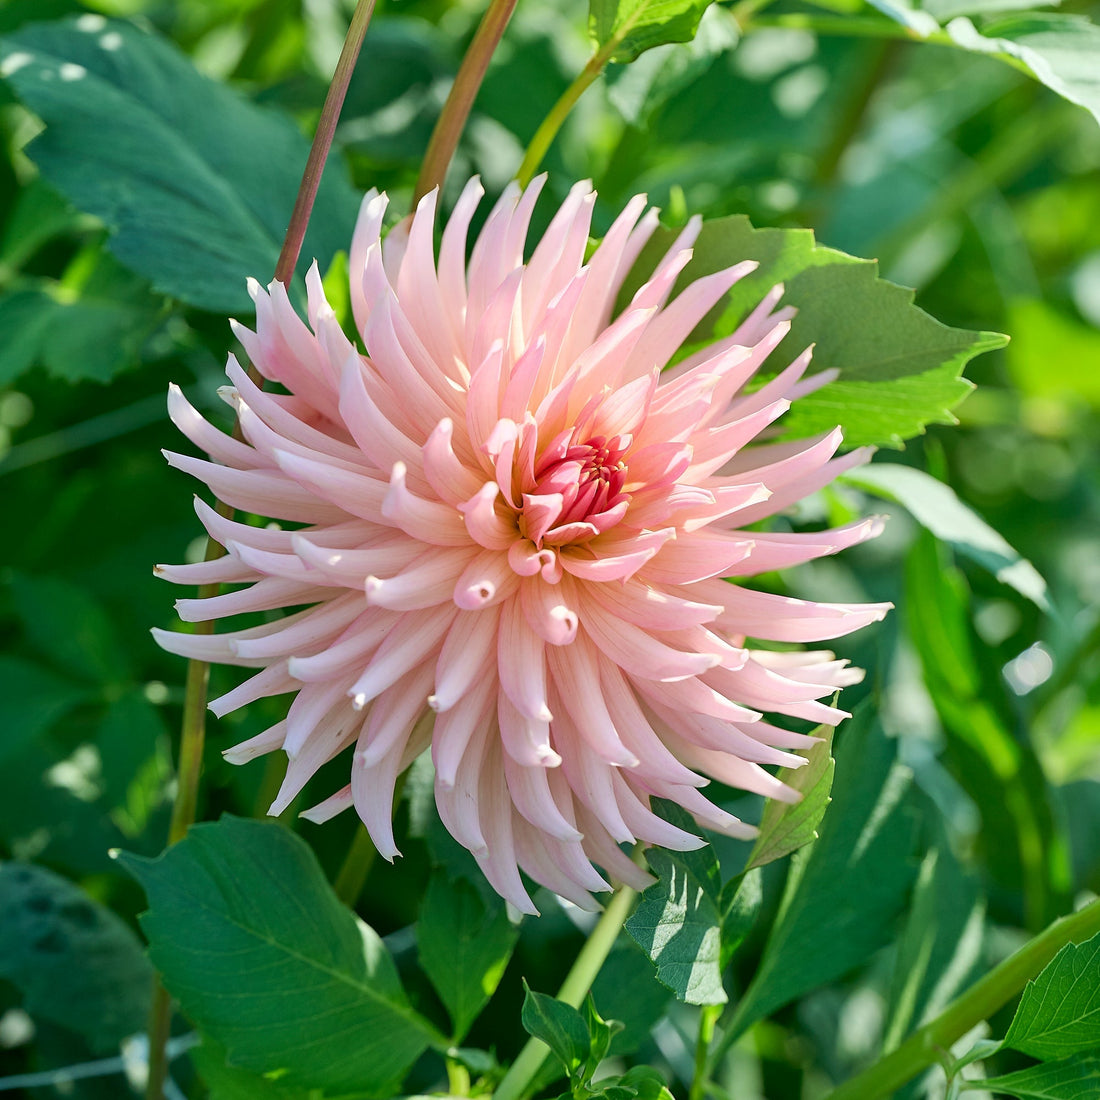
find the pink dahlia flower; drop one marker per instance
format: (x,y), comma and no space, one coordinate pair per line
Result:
(510,527)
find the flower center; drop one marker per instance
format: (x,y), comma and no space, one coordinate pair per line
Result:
(578,490)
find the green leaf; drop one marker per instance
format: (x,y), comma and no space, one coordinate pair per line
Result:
(32,699)
(936,507)
(940,946)
(601,1032)
(260,954)
(634,26)
(1020,838)
(1060,51)
(785,826)
(899,368)
(741,900)
(227,1082)
(1059,1012)
(75,962)
(678,923)
(843,891)
(1076,1078)
(465,944)
(560,1026)
(195,183)
(625,990)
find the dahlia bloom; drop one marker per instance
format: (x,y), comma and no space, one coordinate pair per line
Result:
(509,526)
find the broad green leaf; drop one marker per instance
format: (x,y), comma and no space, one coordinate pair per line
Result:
(634,26)
(1059,1012)
(1061,51)
(940,946)
(226,1082)
(741,900)
(678,923)
(1075,1078)
(194,182)
(560,1026)
(74,961)
(936,507)
(644,1082)
(899,368)
(1022,844)
(32,699)
(260,954)
(601,1032)
(464,944)
(844,890)
(785,826)
(624,990)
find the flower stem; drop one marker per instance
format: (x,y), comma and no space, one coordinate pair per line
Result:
(552,123)
(460,99)
(574,989)
(978,1003)
(322,141)
(356,866)
(708,1017)
(193,734)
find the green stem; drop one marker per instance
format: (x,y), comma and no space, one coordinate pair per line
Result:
(574,989)
(193,733)
(707,1019)
(978,1003)
(460,99)
(552,123)
(357,864)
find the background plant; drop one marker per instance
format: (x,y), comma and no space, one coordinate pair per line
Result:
(152,153)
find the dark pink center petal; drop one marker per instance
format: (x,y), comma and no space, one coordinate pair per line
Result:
(578,490)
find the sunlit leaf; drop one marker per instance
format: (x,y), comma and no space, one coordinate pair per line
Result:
(1076,1078)
(560,1026)
(1059,1012)
(465,944)
(899,368)
(195,183)
(787,826)
(936,507)
(638,25)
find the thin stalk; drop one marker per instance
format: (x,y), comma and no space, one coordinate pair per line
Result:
(574,989)
(193,734)
(978,1003)
(322,141)
(552,123)
(707,1019)
(352,875)
(460,99)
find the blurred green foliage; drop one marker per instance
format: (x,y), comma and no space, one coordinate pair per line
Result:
(965,178)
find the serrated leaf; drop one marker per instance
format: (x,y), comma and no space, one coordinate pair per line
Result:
(936,507)
(1059,1012)
(195,183)
(75,962)
(899,368)
(464,945)
(844,890)
(678,923)
(261,955)
(1076,1078)
(560,1026)
(635,26)
(786,826)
